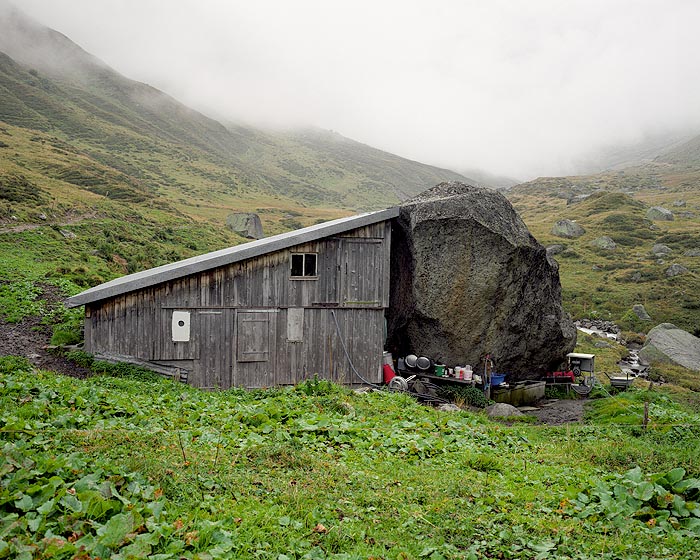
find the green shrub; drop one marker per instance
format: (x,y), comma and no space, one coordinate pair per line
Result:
(464,395)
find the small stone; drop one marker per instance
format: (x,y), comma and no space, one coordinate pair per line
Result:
(659,213)
(606,243)
(639,310)
(659,249)
(596,267)
(676,270)
(567,229)
(449,407)
(67,234)
(502,410)
(43,217)
(14,218)
(555,249)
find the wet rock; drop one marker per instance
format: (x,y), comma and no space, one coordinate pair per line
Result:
(606,243)
(666,343)
(247,224)
(567,229)
(468,279)
(639,310)
(676,270)
(502,410)
(659,213)
(659,250)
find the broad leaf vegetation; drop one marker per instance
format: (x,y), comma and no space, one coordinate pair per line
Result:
(128,465)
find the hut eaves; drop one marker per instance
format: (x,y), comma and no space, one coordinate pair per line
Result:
(207,261)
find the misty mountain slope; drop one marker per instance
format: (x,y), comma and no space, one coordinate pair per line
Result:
(52,85)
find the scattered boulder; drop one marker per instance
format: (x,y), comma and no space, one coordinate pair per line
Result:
(659,250)
(596,267)
(468,279)
(667,343)
(567,229)
(636,276)
(676,270)
(577,198)
(639,310)
(449,407)
(555,249)
(247,224)
(605,243)
(67,234)
(680,203)
(692,253)
(686,215)
(502,410)
(659,213)
(603,344)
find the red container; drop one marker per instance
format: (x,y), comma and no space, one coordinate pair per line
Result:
(389,373)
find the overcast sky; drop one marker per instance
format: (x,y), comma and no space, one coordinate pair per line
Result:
(515,87)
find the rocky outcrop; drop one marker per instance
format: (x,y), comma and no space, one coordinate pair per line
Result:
(659,213)
(667,343)
(468,279)
(247,224)
(567,229)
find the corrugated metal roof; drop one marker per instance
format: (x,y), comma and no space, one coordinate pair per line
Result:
(227,256)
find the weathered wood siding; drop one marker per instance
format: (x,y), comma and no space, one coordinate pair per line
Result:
(241,332)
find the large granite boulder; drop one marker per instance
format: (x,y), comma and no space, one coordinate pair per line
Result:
(567,229)
(468,279)
(667,343)
(247,224)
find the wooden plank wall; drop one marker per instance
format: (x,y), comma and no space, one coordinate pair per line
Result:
(353,280)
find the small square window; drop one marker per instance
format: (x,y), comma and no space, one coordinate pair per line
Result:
(303,265)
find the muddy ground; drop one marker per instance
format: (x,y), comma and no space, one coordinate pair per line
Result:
(559,411)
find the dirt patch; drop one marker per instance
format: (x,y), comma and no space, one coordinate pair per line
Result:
(29,338)
(557,412)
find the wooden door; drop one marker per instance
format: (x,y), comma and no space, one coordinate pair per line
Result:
(255,347)
(362,270)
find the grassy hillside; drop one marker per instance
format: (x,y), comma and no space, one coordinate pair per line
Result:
(146,138)
(319,472)
(604,283)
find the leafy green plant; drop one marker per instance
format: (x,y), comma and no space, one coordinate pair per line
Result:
(663,502)
(464,395)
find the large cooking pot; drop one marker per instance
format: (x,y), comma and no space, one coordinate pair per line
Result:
(411,360)
(423,363)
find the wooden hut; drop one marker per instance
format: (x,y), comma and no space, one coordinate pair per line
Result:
(270,312)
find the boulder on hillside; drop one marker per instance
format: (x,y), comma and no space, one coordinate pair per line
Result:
(659,213)
(676,270)
(659,250)
(667,343)
(247,224)
(468,280)
(605,243)
(640,311)
(692,253)
(567,229)
(555,249)
(680,203)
